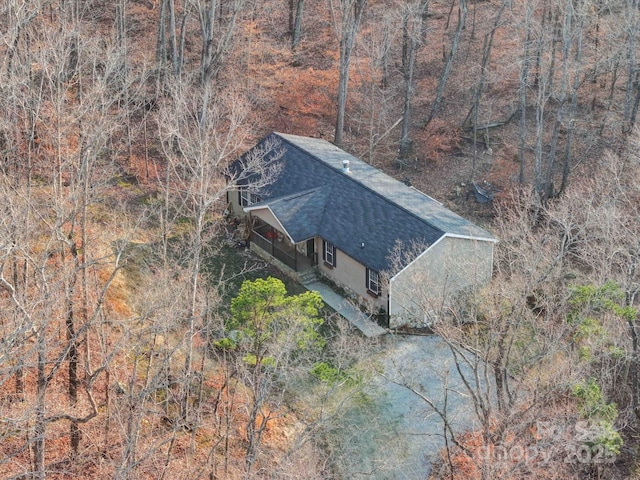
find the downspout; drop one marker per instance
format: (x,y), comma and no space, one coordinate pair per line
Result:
(389,304)
(388,314)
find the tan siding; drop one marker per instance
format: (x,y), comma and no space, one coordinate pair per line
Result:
(350,275)
(234,204)
(469,262)
(424,287)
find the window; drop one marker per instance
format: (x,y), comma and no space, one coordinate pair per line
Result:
(329,254)
(373,282)
(247,198)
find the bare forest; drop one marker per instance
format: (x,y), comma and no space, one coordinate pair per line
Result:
(121,294)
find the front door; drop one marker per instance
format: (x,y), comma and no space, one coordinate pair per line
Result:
(311,251)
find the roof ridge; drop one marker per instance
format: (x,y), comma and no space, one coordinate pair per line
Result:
(293,195)
(378,194)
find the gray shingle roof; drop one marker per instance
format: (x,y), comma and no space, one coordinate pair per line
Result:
(300,213)
(313,196)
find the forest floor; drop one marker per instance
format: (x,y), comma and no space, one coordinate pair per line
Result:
(294,92)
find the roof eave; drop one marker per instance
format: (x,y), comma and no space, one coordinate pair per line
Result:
(445,235)
(417,258)
(471,237)
(267,207)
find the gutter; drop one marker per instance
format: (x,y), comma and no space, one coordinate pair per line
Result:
(252,209)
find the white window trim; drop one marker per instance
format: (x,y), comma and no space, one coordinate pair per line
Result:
(373,281)
(247,198)
(329,253)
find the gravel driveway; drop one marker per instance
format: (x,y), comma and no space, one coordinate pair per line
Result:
(397,433)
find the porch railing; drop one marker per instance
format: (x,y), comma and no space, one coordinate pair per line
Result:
(290,259)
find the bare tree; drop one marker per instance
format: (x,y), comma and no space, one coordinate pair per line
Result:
(536,332)
(347,15)
(413,36)
(632,91)
(296,8)
(71,111)
(172,31)
(199,144)
(455,43)
(217,21)
(478,92)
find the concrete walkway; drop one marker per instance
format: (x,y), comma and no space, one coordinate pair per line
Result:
(346,309)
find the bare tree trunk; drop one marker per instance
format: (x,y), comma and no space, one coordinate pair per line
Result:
(636,102)
(635,368)
(384,57)
(161,44)
(561,96)
(291,8)
(257,420)
(522,93)
(541,102)
(409,47)
(573,105)
(566,167)
(173,40)
(197,245)
(462,17)
(540,45)
(74,433)
(296,8)
(350,16)
(217,29)
(21,287)
(39,429)
(633,22)
(479,90)
(612,89)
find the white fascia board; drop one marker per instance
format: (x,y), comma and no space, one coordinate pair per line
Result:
(470,237)
(251,208)
(418,257)
(267,207)
(446,235)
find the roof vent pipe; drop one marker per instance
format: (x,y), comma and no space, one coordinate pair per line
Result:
(345,166)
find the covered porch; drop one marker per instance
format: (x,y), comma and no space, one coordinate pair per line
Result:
(299,260)
(298,257)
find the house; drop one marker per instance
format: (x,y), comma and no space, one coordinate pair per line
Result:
(391,247)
